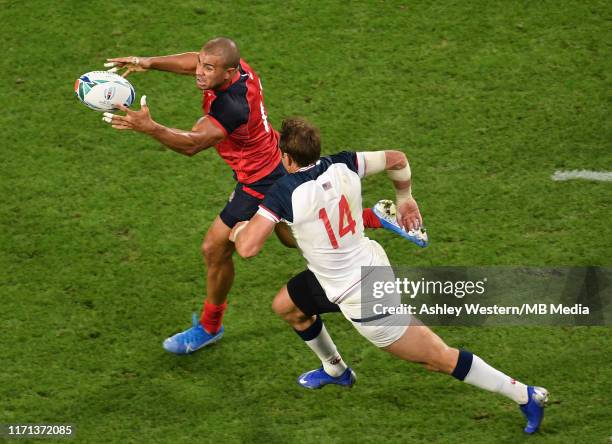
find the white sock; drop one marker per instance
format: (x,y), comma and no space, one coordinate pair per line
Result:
(486,377)
(325,349)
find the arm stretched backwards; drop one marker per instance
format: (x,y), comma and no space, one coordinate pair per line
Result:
(398,169)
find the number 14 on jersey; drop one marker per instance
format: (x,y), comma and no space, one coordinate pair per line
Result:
(346,223)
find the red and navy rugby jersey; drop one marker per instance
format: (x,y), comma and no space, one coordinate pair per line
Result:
(250,147)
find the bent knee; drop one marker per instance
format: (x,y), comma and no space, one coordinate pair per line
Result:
(282,303)
(213,250)
(284,307)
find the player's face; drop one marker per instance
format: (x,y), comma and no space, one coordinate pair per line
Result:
(210,72)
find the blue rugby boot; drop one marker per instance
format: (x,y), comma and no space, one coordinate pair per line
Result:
(534,409)
(191,339)
(385,211)
(316,379)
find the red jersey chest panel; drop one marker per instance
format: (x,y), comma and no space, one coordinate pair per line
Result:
(250,147)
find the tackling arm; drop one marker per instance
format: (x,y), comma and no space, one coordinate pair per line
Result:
(249,237)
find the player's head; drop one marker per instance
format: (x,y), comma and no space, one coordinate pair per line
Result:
(218,61)
(300,143)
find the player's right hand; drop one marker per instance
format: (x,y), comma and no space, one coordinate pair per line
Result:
(133,120)
(131,64)
(409,215)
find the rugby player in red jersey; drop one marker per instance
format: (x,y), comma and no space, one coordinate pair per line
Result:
(236,124)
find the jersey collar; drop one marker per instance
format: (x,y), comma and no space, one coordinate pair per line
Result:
(309,166)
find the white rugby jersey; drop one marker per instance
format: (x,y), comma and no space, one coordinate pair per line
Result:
(322,205)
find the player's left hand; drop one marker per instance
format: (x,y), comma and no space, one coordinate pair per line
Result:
(130,64)
(409,216)
(133,120)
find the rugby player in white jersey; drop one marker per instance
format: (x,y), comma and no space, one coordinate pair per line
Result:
(320,201)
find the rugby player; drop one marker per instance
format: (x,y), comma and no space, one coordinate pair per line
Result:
(236,124)
(321,201)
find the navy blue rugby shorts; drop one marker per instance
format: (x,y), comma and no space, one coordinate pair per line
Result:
(245,199)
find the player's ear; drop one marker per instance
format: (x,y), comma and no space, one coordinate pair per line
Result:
(229,73)
(292,164)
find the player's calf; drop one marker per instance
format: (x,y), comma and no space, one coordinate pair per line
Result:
(313,332)
(421,345)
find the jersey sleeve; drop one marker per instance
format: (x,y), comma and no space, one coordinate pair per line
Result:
(355,161)
(230,111)
(276,206)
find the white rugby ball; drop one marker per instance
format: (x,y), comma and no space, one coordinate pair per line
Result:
(103,90)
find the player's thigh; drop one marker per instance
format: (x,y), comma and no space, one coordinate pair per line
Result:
(216,241)
(306,293)
(380,332)
(241,206)
(283,232)
(245,199)
(381,329)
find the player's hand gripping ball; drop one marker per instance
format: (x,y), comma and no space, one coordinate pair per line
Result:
(104,91)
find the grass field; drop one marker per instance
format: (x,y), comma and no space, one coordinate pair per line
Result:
(101,230)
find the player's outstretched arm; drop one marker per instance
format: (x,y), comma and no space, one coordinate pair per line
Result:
(398,169)
(204,133)
(249,237)
(184,63)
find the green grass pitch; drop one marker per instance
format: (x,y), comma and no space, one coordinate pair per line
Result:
(101,230)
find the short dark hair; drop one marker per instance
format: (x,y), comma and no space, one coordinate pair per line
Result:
(225,48)
(301,140)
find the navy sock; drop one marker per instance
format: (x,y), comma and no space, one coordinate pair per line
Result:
(311,332)
(464,364)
